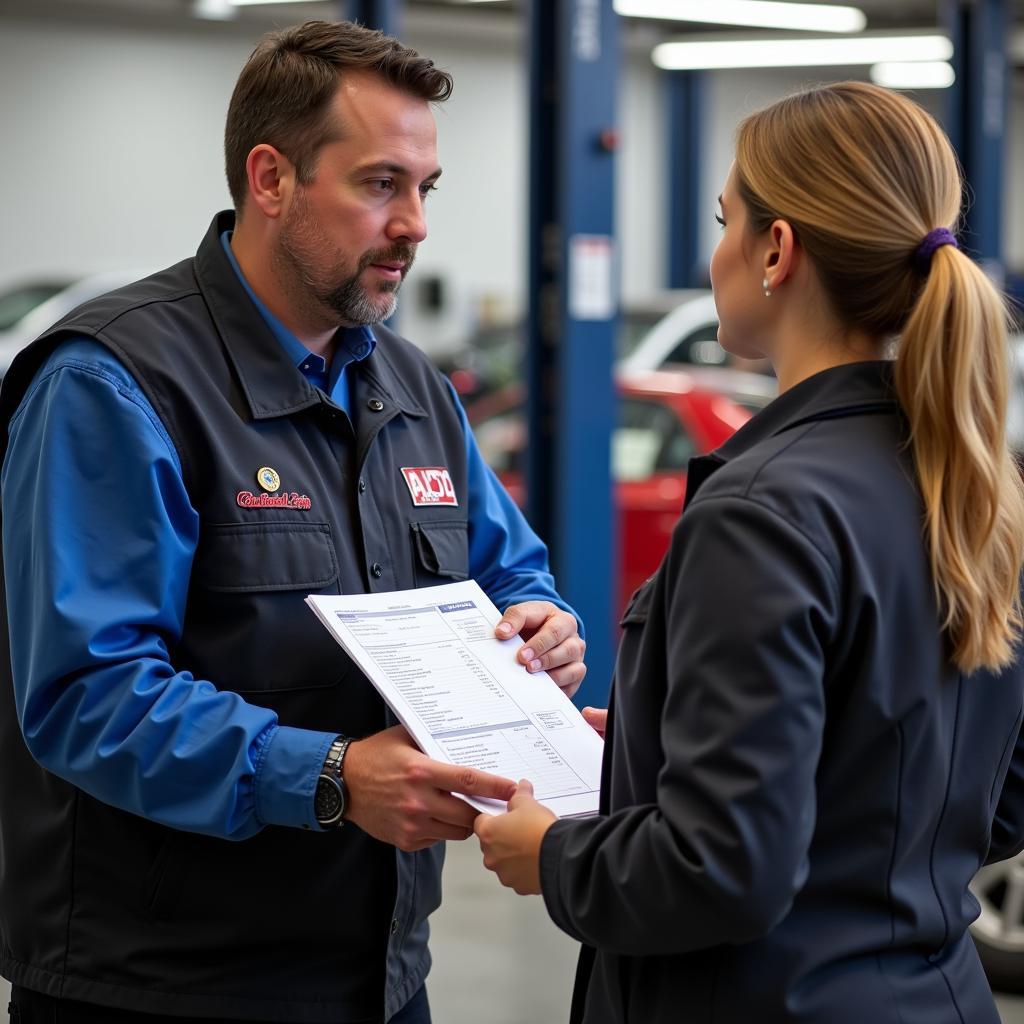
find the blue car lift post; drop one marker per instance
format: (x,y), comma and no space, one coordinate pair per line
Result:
(379,14)
(684,132)
(976,118)
(573,312)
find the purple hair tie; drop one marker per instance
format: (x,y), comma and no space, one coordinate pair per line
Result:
(933,240)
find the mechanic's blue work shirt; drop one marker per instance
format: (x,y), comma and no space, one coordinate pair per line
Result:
(89,460)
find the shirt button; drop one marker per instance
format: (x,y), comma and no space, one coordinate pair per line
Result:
(377,569)
(362,486)
(394,927)
(375,405)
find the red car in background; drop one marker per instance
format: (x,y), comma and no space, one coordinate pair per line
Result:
(665,417)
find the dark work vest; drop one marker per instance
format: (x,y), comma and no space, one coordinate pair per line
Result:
(100,905)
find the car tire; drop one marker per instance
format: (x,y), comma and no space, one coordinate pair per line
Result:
(999,931)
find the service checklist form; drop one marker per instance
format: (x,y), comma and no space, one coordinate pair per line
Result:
(461,694)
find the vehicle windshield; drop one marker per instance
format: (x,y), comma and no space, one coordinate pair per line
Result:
(16,303)
(633,328)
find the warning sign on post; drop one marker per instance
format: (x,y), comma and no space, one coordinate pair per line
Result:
(591,265)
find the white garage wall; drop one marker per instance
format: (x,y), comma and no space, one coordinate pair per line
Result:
(112,139)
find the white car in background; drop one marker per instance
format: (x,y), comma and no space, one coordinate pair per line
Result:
(999,930)
(29,308)
(1015,409)
(687,334)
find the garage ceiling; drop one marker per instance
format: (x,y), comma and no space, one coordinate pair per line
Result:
(419,14)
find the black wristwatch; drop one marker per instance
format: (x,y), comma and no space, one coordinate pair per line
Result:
(331,795)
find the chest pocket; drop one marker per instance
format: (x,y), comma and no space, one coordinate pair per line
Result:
(639,605)
(247,626)
(245,557)
(440,551)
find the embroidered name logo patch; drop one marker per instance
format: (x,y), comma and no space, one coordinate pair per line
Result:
(246,499)
(430,485)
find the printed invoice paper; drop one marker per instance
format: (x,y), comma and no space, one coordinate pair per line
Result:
(462,695)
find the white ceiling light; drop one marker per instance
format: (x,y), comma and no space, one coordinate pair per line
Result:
(213,10)
(759,13)
(918,75)
(253,3)
(800,53)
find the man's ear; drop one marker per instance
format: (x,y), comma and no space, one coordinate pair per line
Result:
(781,255)
(271,177)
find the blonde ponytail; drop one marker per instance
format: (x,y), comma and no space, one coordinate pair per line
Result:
(952,381)
(863,175)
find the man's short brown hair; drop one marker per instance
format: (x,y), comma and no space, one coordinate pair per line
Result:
(284,90)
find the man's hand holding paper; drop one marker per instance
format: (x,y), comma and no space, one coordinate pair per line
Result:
(399,795)
(553,643)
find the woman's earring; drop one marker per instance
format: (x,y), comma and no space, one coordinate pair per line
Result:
(767,290)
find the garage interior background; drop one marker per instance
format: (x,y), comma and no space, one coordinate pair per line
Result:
(112,118)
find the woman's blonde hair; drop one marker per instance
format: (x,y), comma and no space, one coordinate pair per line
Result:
(862,175)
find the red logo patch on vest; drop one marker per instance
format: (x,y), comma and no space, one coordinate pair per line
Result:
(430,485)
(246,499)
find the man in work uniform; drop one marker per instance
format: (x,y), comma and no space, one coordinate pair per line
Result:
(206,811)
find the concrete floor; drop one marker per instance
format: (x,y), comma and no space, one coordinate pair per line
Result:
(499,960)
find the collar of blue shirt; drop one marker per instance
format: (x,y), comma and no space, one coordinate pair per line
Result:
(354,343)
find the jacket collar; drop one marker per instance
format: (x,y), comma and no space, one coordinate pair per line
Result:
(853,389)
(273,386)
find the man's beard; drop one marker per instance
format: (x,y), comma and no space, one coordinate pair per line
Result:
(301,248)
(354,302)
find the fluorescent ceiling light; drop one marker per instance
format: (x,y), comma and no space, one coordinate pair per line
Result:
(759,13)
(213,10)
(918,75)
(799,53)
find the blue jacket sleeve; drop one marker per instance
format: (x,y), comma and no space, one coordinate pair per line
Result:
(98,536)
(507,559)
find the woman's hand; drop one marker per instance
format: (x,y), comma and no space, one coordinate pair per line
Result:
(597,719)
(511,842)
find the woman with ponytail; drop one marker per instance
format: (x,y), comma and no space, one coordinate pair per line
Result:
(814,738)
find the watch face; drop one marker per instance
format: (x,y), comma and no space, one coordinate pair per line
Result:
(327,802)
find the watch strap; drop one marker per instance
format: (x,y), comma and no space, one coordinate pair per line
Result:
(331,778)
(335,759)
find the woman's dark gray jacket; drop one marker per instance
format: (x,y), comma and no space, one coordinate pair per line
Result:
(799,785)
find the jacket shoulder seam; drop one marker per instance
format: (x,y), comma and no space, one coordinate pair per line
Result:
(95,328)
(775,514)
(775,455)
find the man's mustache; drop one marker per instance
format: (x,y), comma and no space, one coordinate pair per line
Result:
(396,254)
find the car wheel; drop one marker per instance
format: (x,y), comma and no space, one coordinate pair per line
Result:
(999,931)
